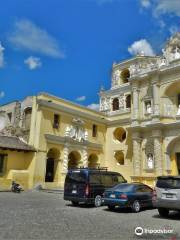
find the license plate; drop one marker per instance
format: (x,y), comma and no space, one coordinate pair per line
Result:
(112,196)
(169,195)
(74,191)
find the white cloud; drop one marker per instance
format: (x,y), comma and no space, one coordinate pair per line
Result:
(141,47)
(94,106)
(26,35)
(2,94)
(145,3)
(81,98)
(173,29)
(162,24)
(33,62)
(167,6)
(1,55)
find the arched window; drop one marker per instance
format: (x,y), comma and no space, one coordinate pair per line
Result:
(115,104)
(125,74)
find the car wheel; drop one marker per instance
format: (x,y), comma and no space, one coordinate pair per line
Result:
(163,212)
(111,207)
(74,203)
(136,206)
(98,201)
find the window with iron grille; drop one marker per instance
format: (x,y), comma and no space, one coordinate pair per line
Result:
(2,163)
(94,130)
(128,101)
(115,104)
(56,121)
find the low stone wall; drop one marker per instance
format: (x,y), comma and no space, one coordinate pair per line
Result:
(5,184)
(21,177)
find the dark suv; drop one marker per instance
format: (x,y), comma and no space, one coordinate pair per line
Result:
(167,194)
(86,185)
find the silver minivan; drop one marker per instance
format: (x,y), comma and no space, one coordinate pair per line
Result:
(166,195)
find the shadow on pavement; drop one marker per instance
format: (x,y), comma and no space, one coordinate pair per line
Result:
(81,205)
(173,215)
(125,210)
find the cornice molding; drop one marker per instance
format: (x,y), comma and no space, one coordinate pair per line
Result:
(68,141)
(97,117)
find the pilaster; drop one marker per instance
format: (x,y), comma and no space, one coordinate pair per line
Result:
(136,153)
(156,101)
(85,157)
(65,160)
(157,135)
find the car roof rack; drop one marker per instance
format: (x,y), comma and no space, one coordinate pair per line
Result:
(90,168)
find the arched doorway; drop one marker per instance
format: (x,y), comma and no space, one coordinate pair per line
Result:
(74,158)
(93,161)
(52,155)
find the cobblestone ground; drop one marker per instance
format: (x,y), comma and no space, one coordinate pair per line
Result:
(41,215)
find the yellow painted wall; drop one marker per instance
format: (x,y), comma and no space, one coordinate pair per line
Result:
(113,145)
(17,168)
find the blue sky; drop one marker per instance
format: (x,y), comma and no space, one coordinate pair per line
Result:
(67,47)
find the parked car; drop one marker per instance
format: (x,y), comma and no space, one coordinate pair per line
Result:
(167,194)
(133,195)
(87,185)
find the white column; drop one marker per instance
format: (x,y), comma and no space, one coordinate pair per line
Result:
(65,160)
(158,151)
(85,157)
(156,99)
(135,103)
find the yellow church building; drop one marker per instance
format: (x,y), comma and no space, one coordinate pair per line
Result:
(135,132)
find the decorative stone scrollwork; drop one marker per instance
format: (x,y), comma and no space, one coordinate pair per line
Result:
(162,62)
(77,133)
(115,78)
(121,101)
(65,161)
(85,157)
(149,147)
(134,69)
(177,53)
(105,104)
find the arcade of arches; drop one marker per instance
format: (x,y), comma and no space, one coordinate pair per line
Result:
(74,161)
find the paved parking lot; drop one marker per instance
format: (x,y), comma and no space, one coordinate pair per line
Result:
(41,215)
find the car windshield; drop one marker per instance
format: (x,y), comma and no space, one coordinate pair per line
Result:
(173,183)
(124,187)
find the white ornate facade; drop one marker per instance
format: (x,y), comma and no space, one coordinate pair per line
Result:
(152,120)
